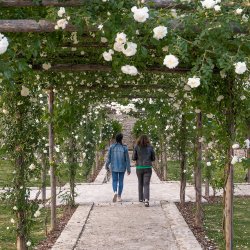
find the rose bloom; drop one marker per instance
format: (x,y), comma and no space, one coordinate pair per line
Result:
(160,32)
(240,68)
(121,38)
(171,61)
(129,70)
(193,82)
(141,14)
(3,44)
(130,50)
(208,4)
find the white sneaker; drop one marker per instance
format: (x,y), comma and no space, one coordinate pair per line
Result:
(119,199)
(115,197)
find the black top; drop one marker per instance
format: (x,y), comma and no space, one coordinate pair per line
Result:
(143,155)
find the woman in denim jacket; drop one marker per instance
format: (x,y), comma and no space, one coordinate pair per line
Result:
(118,162)
(143,155)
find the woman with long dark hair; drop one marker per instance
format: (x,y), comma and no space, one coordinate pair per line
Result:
(144,155)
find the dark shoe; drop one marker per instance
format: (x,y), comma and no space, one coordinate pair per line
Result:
(146,203)
(140,200)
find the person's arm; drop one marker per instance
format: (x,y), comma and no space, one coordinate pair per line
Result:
(135,154)
(152,154)
(108,161)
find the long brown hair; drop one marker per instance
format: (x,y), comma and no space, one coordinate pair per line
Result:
(143,141)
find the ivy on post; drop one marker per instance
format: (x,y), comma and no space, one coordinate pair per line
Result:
(51,158)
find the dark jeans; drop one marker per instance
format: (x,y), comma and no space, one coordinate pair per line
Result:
(144,176)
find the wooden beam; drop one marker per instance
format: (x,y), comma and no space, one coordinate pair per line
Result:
(105,68)
(31,26)
(76,3)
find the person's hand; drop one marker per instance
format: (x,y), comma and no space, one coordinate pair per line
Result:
(129,173)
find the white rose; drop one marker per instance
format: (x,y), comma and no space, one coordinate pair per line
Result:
(121,38)
(242,97)
(208,4)
(107,56)
(210,116)
(104,40)
(209,164)
(118,47)
(217,8)
(238,11)
(25,91)
(46,66)
(130,50)
(160,32)
(37,214)
(171,61)
(61,12)
(141,14)
(61,23)
(193,82)
(220,97)
(240,68)
(28,243)
(236,146)
(197,111)
(3,44)
(32,167)
(129,70)
(234,160)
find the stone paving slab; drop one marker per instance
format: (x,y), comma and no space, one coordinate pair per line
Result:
(69,236)
(183,235)
(130,227)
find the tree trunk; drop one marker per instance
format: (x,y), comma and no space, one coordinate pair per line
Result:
(51,160)
(183,159)
(72,170)
(21,214)
(44,175)
(198,178)
(165,169)
(229,169)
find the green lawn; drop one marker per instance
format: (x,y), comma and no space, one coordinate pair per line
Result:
(213,222)
(6,175)
(7,230)
(174,172)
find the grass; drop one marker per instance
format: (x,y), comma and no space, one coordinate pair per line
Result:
(7,236)
(174,172)
(213,223)
(6,175)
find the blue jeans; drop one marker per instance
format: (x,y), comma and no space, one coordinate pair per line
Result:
(117,181)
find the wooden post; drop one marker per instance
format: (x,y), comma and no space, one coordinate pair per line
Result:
(229,168)
(21,214)
(183,159)
(198,178)
(229,204)
(51,159)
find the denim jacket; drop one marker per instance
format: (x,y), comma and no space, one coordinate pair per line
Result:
(118,158)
